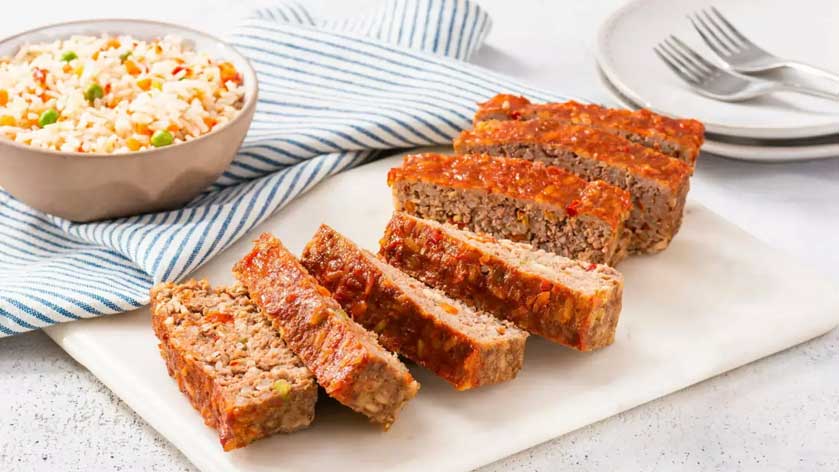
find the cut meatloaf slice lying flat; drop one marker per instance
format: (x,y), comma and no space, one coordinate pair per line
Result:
(467,348)
(347,361)
(679,138)
(569,302)
(515,199)
(658,184)
(231,363)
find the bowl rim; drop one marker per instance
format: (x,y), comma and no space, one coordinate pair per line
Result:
(251,91)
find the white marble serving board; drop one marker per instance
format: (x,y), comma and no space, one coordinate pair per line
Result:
(716,299)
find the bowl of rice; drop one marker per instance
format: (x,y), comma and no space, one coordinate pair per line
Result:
(109,118)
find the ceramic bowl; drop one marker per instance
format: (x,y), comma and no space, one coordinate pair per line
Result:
(93,186)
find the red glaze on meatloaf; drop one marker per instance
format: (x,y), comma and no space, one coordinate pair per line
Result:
(230,362)
(465,347)
(658,183)
(347,361)
(515,199)
(679,138)
(573,303)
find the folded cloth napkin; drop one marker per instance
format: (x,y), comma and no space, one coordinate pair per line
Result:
(333,94)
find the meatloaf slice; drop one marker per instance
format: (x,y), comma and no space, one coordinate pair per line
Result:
(679,138)
(569,302)
(468,348)
(230,362)
(347,360)
(515,199)
(658,183)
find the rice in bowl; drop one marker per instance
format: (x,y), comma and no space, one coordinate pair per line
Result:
(114,94)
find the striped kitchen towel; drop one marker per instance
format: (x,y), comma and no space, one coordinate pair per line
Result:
(333,94)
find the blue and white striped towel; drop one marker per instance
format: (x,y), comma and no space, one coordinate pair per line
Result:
(333,94)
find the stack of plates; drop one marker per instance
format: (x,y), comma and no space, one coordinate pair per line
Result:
(779,127)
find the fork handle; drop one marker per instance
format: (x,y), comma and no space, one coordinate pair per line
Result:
(808,90)
(812,70)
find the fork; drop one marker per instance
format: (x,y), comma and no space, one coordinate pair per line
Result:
(712,81)
(739,52)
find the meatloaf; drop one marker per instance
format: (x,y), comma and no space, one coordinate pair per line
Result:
(468,348)
(347,360)
(573,303)
(658,183)
(515,199)
(230,362)
(679,138)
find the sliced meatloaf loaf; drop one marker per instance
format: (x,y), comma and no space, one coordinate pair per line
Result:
(569,302)
(679,138)
(230,362)
(468,348)
(515,199)
(347,360)
(658,183)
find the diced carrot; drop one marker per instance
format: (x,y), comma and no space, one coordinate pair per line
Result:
(133,144)
(142,128)
(113,43)
(144,83)
(66,68)
(40,75)
(132,67)
(228,73)
(448,308)
(173,128)
(4,97)
(95,55)
(210,121)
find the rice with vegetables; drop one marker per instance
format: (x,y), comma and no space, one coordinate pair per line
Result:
(114,94)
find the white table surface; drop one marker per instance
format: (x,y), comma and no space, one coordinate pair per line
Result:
(781,413)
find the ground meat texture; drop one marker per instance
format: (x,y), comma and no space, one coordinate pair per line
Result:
(467,348)
(573,303)
(516,199)
(347,361)
(679,138)
(230,362)
(658,183)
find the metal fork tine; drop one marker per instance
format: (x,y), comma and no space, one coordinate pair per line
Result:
(680,59)
(708,40)
(711,38)
(734,31)
(697,66)
(672,66)
(695,55)
(736,45)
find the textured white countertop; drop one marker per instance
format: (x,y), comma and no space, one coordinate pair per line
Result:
(781,413)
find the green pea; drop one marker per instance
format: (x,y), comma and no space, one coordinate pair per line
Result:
(93,92)
(162,138)
(69,56)
(48,117)
(124,56)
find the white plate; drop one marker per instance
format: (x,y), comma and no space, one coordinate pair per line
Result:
(803,29)
(758,151)
(715,300)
